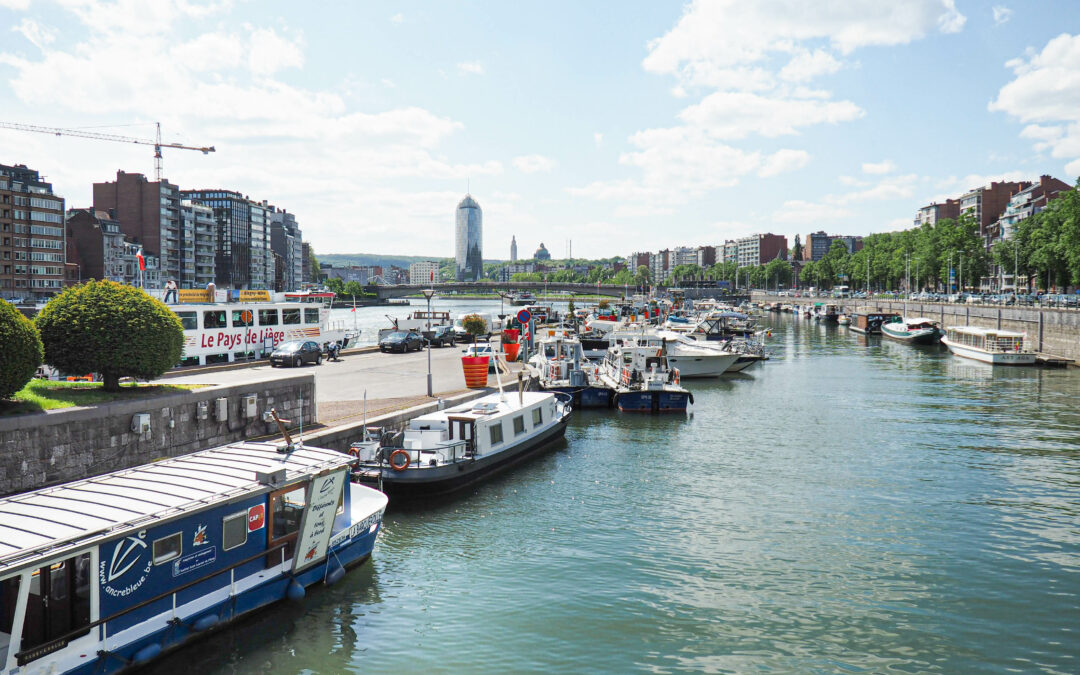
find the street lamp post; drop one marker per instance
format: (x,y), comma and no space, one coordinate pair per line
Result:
(428,293)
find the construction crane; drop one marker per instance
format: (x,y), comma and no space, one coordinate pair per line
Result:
(158,145)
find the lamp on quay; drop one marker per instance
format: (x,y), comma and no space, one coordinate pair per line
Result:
(428,293)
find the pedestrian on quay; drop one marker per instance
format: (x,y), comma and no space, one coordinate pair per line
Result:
(170,291)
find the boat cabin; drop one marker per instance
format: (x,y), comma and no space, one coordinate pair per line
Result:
(93,570)
(987,339)
(869,321)
(223,332)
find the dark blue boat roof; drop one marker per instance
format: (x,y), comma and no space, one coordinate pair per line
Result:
(44,522)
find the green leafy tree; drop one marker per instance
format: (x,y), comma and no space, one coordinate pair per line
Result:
(111,329)
(316,268)
(22,352)
(354,289)
(474,325)
(335,285)
(643,275)
(623,278)
(778,273)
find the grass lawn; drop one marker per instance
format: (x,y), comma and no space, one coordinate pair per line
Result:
(39,395)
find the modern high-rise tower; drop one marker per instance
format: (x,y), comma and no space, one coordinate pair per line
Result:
(513,249)
(468,240)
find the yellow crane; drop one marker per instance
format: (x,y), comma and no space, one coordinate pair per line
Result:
(158,145)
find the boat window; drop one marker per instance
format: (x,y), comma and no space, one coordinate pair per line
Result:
(167,548)
(268,317)
(538,417)
(242,318)
(286,510)
(234,530)
(496,433)
(190,320)
(9,597)
(290,316)
(214,319)
(58,603)
(311,315)
(519,425)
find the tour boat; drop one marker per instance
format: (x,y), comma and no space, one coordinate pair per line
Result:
(107,573)
(220,332)
(989,345)
(643,381)
(451,449)
(559,365)
(913,330)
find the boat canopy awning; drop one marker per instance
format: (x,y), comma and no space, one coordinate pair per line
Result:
(42,523)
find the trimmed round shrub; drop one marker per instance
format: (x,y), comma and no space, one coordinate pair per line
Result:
(22,351)
(474,325)
(112,329)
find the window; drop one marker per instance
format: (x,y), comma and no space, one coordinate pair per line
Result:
(538,417)
(496,433)
(268,317)
(242,317)
(290,316)
(190,320)
(286,510)
(519,425)
(167,548)
(234,530)
(57,604)
(214,319)
(311,315)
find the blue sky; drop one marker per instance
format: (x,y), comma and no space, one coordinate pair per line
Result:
(626,126)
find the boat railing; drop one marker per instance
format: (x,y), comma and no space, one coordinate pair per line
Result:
(447,452)
(58,643)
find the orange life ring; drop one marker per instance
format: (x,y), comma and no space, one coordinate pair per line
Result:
(355,452)
(402,453)
(676,376)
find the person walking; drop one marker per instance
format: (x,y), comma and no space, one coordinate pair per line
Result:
(170,290)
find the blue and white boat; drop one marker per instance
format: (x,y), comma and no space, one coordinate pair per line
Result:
(643,381)
(559,365)
(106,573)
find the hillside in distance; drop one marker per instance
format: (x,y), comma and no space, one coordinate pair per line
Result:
(363,259)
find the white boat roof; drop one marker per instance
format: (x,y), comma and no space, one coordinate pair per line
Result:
(917,319)
(978,330)
(486,406)
(44,522)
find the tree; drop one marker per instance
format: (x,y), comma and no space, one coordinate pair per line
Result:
(623,278)
(335,285)
(778,273)
(354,289)
(316,268)
(643,275)
(474,325)
(22,352)
(112,329)
(796,250)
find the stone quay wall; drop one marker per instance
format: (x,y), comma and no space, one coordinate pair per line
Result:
(1049,330)
(70,444)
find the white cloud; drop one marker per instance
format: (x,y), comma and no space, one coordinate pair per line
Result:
(799,212)
(470,68)
(783,161)
(175,62)
(397,18)
(807,65)
(1002,14)
(388,83)
(879,167)
(732,115)
(15,4)
(598,138)
(1045,94)
(534,163)
(38,35)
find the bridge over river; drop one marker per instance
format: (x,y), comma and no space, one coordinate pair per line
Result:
(534,287)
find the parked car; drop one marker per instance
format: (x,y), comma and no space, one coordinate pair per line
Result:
(296,353)
(402,341)
(481,350)
(441,336)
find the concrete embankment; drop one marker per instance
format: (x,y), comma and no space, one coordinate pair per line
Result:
(1050,330)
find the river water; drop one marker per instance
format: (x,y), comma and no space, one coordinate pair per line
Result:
(852,505)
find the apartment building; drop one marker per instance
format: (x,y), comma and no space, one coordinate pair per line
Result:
(758,249)
(423,272)
(986,204)
(933,212)
(232,218)
(199,220)
(32,236)
(149,215)
(286,240)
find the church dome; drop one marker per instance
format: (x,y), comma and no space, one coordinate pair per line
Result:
(542,253)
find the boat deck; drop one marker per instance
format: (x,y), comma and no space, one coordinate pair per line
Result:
(1052,361)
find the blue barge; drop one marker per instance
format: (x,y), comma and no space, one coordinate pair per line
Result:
(104,574)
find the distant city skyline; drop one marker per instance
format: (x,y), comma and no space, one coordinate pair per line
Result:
(845,117)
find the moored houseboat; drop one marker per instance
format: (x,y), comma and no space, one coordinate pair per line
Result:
(913,330)
(102,574)
(448,450)
(989,345)
(868,322)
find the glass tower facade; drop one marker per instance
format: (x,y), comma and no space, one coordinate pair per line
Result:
(468,240)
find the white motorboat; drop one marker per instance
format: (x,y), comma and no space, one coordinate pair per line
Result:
(989,345)
(913,330)
(693,358)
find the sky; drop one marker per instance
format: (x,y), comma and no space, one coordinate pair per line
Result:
(620,127)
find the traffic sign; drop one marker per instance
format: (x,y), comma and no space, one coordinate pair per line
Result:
(524,316)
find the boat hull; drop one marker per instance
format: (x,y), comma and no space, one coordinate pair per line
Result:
(925,336)
(586,397)
(994,358)
(448,478)
(658,401)
(691,366)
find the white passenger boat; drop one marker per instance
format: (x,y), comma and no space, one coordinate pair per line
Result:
(221,332)
(448,450)
(107,573)
(989,345)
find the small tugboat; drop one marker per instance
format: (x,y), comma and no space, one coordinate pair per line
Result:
(445,451)
(642,380)
(912,330)
(107,573)
(998,347)
(560,366)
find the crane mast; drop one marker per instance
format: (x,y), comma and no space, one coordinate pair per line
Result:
(80,133)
